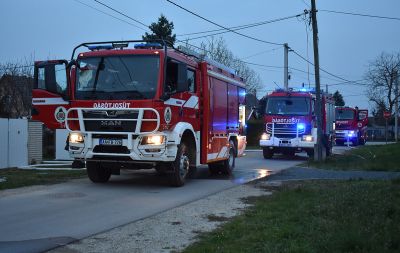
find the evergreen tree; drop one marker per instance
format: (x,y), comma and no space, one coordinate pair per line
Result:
(161,30)
(339,101)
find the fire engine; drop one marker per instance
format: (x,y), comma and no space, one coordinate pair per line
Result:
(351,126)
(141,104)
(290,122)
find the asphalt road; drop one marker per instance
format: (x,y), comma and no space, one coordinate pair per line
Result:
(44,217)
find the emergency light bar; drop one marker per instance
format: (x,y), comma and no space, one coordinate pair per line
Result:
(100,47)
(147,45)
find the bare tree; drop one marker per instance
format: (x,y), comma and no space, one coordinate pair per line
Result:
(381,76)
(16,82)
(217,49)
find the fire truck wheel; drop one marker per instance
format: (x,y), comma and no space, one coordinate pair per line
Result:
(96,173)
(181,166)
(229,164)
(267,153)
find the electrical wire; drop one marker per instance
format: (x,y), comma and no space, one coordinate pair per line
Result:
(262,52)
(222,31)
(359,14)
(105,13)
(226,28)
(121,13)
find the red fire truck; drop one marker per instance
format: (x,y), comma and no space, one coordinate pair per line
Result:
(290,122)
(139,104)
(351,126)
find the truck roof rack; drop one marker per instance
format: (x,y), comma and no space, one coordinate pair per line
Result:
(120,44)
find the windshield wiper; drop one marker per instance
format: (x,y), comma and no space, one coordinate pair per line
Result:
(99,67)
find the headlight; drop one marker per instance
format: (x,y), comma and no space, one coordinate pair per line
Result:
(265,136)
(153,140)
(308,138)
(75,138)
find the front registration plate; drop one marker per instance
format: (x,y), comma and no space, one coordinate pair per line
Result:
(110,142)
(284,144)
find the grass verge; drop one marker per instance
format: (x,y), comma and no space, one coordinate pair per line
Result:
(369,158)
(15,178)
(318,216)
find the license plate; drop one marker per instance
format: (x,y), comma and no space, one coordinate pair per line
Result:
(285,144)
(110,142)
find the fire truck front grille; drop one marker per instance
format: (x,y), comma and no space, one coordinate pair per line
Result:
(284,130)
(111,149)
(342,126)
(110,121)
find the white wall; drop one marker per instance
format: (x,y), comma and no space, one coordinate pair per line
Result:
(3,143)
(61,137)
(13,143)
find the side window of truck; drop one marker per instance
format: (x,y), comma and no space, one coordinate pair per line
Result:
(191,78)
(174,75)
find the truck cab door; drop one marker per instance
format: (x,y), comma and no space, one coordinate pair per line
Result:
(362,118)
(50,94)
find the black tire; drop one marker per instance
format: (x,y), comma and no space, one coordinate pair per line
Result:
(267,153)
(225,167)
(181,166)
(97,173)
(229,164)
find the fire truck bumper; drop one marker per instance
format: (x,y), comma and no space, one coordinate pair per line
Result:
(125,147)
(346,135)
(295,143)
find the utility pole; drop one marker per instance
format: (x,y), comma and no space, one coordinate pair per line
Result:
(286,67)
(396,105)
(318,105)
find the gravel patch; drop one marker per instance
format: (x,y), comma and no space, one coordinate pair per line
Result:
(172,230)
(301,173)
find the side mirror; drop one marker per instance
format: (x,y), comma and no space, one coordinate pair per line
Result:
(182,82)
(253,114)
(71,63)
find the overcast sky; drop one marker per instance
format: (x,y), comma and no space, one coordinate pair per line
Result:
(46,29)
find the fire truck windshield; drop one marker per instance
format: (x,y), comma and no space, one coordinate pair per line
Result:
(288,106)
(344,114)
(117,77)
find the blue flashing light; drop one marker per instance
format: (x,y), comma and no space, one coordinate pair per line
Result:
(350,135)
(100,47)
(301,126)
(147,45)
(303,90)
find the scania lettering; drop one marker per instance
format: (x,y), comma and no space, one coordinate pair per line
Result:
(351,126)
(290,122)
(143,105)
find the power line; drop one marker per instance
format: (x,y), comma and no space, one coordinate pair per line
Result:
(123,14)
(105,13)
(236,28)
(325,71)
(262,52)
(226,28)
(362,15)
